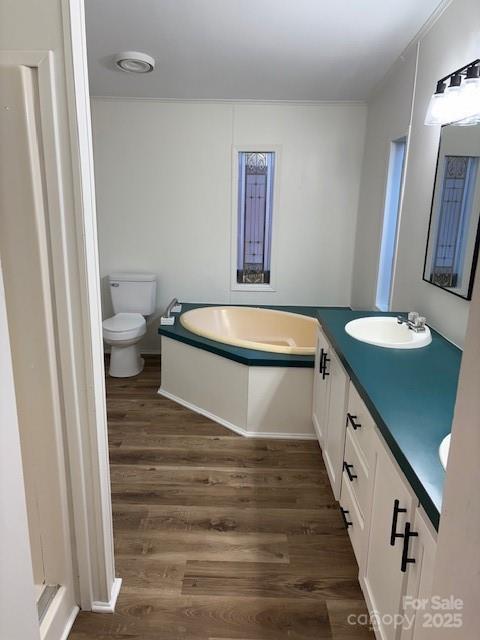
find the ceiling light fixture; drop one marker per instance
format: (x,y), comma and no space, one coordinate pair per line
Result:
(134,62)
(460,101)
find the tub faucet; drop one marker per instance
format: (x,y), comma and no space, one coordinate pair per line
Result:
(168,311)
(414,321)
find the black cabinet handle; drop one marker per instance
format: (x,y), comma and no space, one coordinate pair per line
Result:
(352,420)
(393,534)
(406,538)
(344,513)
(320,363)
(326,359)
(347,467)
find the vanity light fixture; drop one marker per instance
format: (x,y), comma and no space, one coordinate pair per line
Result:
(134,62)
(457,97)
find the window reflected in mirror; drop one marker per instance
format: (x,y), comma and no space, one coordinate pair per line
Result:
(454,223)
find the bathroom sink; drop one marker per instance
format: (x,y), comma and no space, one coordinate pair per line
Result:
(385,331)
(443,450)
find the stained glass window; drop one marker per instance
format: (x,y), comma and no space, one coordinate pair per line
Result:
(255,205)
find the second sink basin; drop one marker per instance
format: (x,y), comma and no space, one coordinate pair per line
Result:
(384,331)
(444,450)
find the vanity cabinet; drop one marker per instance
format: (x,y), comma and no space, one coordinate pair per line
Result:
(400,554)
(329,409)
(320,387)
(391,513)
(393,540)
(422,549)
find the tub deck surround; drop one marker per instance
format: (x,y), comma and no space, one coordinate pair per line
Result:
(411,396)
(254,393)
(250,357)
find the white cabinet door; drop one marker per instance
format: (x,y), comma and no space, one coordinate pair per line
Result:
(392,506)
(334,437)
(422,548)
(321,388)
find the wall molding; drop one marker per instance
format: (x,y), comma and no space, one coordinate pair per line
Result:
(230,101)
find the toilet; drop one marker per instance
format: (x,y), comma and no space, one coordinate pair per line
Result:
(133,298)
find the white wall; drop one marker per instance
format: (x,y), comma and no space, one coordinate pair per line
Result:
(457,562)
(389,111)
(451,42)
(164,199)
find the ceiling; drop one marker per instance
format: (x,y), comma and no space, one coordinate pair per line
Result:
(250,49)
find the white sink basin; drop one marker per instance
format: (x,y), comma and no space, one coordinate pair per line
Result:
(384,331)
(443,450)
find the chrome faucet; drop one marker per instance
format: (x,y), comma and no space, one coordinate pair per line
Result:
(168,311)
(414,321)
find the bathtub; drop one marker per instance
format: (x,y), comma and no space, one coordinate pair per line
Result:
(254,328)
(250,369)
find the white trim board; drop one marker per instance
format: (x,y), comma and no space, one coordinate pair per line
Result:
(233,427)
(69,624)
(96,510)
(109,607)
(59,617)
(75,280)
(232,101)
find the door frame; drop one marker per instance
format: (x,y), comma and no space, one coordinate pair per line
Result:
(75,277)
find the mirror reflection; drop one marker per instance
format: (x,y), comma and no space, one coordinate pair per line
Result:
(453,233)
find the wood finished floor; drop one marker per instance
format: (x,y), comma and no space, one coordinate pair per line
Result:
(219,537)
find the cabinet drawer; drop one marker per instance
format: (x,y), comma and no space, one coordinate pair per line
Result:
(356,473)
(360,424)
(353,516)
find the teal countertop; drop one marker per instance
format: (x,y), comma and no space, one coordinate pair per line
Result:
(250,357)
(411,395)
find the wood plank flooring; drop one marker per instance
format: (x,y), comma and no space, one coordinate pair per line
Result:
(219,537)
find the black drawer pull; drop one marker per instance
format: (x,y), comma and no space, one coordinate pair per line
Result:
(406,538)
(323,365)
(352,420)
(320,361)
(347,467)
(393,534)
(344,513)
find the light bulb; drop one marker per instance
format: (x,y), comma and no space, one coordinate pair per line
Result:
(470,94)
(437,106)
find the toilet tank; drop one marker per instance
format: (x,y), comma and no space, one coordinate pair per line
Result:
(133,292)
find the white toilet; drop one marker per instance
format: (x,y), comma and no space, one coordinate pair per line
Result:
(133,297)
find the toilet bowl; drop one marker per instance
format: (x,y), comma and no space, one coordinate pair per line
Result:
(133,297)
(123,332)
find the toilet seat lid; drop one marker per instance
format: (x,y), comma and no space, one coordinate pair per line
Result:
(124,322)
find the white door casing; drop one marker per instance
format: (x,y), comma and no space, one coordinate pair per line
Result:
(80,354)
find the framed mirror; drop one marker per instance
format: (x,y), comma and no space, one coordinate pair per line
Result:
(453,235)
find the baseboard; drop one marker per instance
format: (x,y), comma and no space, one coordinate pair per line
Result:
(69,624)
(234,427)
(317,430)
(143,352)
(108,607)
(59,616)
